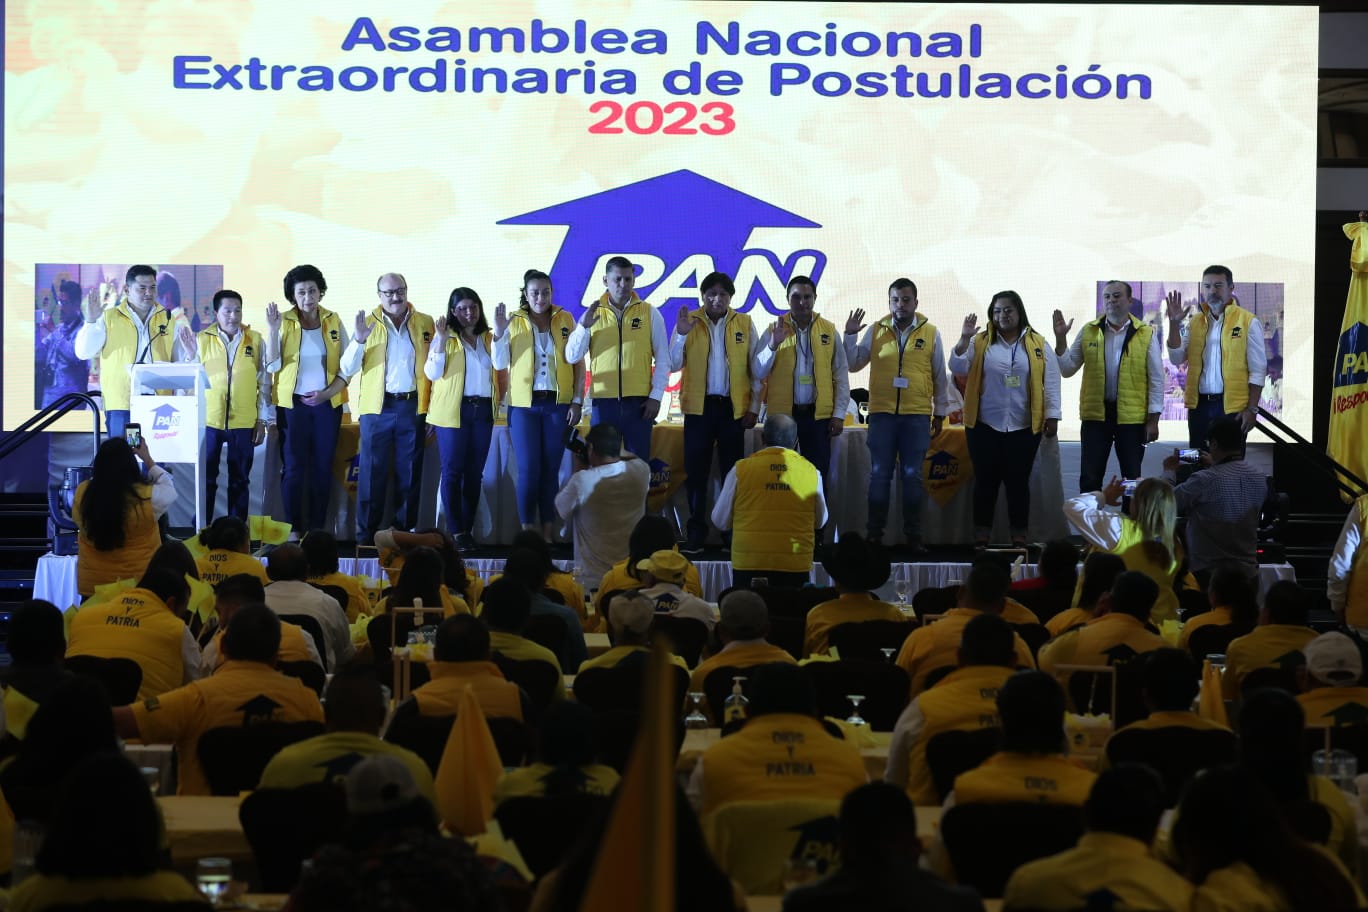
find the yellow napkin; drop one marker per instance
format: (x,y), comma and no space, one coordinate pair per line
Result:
(469,770)
(195,545)
(268,531)
(1170,630)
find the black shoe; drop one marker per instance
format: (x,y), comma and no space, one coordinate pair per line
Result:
(465,542)
(692,546)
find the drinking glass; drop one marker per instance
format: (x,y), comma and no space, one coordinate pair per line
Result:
(855,718)
(1339,766)
(902,587)
(213,876)
(695,718)
(798,872)
(152,776)
(888,652)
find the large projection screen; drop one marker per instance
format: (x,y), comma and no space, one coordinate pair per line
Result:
(972,148)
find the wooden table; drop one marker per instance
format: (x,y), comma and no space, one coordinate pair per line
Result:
(199,826)
(597,644)
(698,740)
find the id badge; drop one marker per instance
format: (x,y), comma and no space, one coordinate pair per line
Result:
(1013,381)
(900,383)
(805,379)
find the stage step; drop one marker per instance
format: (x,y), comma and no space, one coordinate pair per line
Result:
(23,533)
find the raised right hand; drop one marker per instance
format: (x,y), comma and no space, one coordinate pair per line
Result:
(1174,306)
(439,325)
(1060,327)
(970,326)
(783,328)
(683,320)
(363,328)
(272,315)
(500,320)
(587,318)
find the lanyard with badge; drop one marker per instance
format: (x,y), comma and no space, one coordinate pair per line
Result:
(806,353)
(1012,379)
(900,382)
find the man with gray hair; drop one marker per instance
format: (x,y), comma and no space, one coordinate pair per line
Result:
(774,505)
(742,629)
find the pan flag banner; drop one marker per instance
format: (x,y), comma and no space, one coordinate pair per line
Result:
(1349,393)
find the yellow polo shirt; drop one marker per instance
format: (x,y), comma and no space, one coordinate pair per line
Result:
(1266,646)
(850,607)
(964,700)
(1329,706)
(357,603)
(1067,620)
(217,565)
(329,757)
(442,695)
(739,654)
(1218,616)
(936,645)
(615,655)
(1100,862)
(1112,639)
(1008,776)
(135,625)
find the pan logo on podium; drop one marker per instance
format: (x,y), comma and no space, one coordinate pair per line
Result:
(676,228)
(165,418)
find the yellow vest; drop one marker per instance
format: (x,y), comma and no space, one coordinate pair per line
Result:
(1356,604)
(217,565)
(1131,549)
(291,334)
(1234,368)
(912,362)
(121,349)
(134,625)
(420,329)
(693,386)
(964,700)
(230,402)
(444,409)
(142,538)
(779,390)
(1132,378)
(1033,346)
(775,512)
(620,352)
(1007,777)
(522,357)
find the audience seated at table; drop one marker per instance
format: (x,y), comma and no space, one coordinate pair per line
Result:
(1033,764)
(393,855)
(420,579)
(143,624)
(529,568)
(649,535)
(103,844)
(663,578)
(936,645)
(742,627)
(1116,636)
(507,609)
(354,710)
(36,643)
(1168,686)
(1052,589)
(1278,640)
(856,568)
(630,615)
(557,579)
(1100,570)
(879,862)
(460,581)
(460,660)
(565,759)
(1333,692)
(1271,726)
(176,557)
(244,690)
(1112,866)
(320,551)
(964,700)
(290,593)
(1236,848)
(229,545)
(296,644)
(782,751)
(1233,601)
(117,514)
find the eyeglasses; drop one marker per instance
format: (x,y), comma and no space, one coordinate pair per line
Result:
(393,292)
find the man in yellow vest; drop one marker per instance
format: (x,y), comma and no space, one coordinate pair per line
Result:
(136,330)
(629,357)
(389,348)
(1123,385)
(773,503)
(907,402)
(720,395)
(237,405)
(1223,347)
(1346,583)
(805,363)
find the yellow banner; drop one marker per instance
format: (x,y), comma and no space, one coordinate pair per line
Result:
(947,466)
(1349,397)
(667,464)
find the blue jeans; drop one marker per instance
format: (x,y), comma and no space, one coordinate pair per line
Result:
(896,438)
(539,434)
(715,427)
(310,434)
(388,441)
(464,451)
(1096,439)
(116,421)
(625,415)
(240,452)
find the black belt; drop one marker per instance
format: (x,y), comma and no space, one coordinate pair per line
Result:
(726,399)
(539,396)
(401,397)
(805,411)
(1211,397)
(476,400)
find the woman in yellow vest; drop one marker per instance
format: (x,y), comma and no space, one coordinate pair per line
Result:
(117,512)
(229,545)
(237,404)
(1011,398)
(545,393)
(464,388)
(1144,539)
(303,349)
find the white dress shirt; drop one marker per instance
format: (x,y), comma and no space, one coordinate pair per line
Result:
(299,597)
(1001,407)
(602,504)
(478,365)
(577,346)
(90,340)
(543,349)
(400,357)
(1113,339)
(1211,381)
(858,355)
(1342,561)
(726,499)
(719,373)
(806,393)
